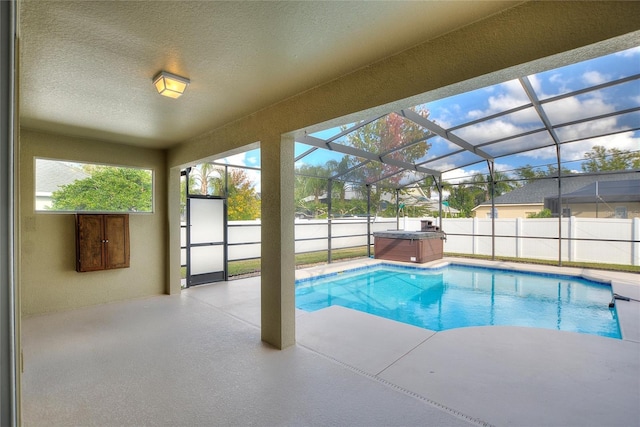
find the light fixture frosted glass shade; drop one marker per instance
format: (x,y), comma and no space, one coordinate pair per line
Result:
(170,85)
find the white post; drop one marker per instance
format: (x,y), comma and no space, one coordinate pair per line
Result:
(474,231)
(518,238)
(635,245)
(573,244)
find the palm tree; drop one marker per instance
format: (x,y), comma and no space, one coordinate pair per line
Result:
(336,168)
(311,181)
(481,184)
(206,179)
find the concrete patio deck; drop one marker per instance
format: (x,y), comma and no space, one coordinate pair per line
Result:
(196,359)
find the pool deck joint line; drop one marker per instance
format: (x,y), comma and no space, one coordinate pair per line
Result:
(396,387)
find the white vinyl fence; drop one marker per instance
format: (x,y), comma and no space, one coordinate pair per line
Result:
(604,240)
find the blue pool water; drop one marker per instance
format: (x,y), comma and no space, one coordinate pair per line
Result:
(457,296)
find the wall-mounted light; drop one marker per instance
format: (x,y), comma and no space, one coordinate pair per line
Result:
(170,85)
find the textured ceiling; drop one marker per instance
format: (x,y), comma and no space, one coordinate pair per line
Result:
(86,67)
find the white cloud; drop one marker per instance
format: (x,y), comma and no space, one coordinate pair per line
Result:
(254,177)
(597,127)
(621,141)
(629,52)
(487,131)
(247,158)
(557,79)
(503,167)
(443,116)
(594,78)
(547,153)
(575,151)
(442,122)
(456,176)
(511,95)
(570,109)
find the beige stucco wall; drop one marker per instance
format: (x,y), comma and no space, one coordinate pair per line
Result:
(580,210)
(48,280)
(508,211)
(602,210)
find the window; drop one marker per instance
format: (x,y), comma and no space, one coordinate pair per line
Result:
(493,211)
(82,187)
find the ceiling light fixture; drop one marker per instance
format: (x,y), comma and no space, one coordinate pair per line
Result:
(170,85)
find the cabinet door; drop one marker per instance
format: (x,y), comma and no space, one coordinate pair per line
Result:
(116,233)
(89,243)
(102,242)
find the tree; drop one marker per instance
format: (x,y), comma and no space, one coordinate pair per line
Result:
(242,199)
(311,180)
(335,168)
(463,198)
(243,202)
(472,192)
(107,189)
(481,185)
(206,179)
(314,181)
(529,174)
(544,213)
(600,158)
(385,136)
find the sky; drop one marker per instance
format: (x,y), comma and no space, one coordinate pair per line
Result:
(484,102)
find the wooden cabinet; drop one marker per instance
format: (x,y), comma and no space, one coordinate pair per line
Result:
(102,241)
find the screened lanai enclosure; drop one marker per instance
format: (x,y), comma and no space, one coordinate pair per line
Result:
(546,166)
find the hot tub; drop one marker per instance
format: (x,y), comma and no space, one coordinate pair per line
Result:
(408,246)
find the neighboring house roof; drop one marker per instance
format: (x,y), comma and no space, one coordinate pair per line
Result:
(535,192)
(51,174)
(609,191)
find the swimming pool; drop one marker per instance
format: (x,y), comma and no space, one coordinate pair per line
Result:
(457,296)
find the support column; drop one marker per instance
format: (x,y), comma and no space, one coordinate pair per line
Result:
(397,209)
(9,306)
(368,220)
(173,285)
(278,249)
(492,186)
(329,214)
(635,244)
